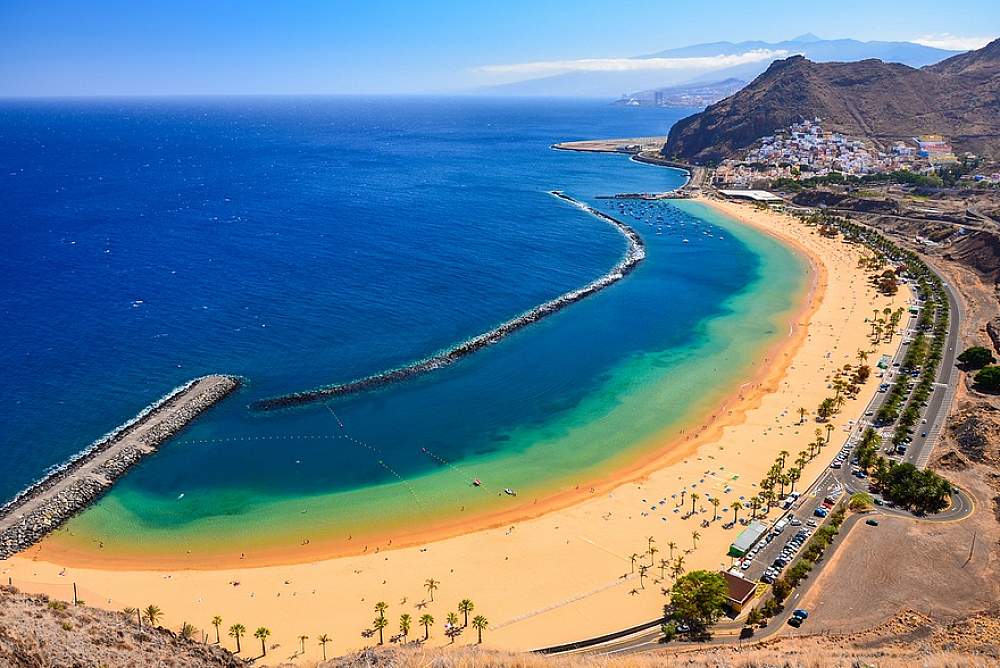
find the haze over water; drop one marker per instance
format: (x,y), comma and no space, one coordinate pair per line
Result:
(301,242)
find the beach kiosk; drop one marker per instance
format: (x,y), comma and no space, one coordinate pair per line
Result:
(747,538)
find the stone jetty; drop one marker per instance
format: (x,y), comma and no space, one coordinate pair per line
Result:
(634,254)
(51,501)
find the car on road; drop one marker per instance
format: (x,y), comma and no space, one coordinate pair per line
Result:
(872,522)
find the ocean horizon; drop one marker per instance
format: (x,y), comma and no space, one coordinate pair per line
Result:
(299,242)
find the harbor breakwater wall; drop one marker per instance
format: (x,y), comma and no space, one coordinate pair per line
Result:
(635,253)
(77,483)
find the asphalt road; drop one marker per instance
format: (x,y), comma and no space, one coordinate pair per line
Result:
(835,483)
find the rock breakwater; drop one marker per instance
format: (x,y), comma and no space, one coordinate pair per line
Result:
(634,254)
(66,490)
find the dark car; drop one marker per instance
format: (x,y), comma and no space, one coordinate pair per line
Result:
(872,522)
(800,613)
(794,621)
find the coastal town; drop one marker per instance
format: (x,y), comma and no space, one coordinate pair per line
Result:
(806,150)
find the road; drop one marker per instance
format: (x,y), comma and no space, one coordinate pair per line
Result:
(832,482)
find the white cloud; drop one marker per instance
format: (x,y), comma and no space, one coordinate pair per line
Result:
(633,64)
(946,40)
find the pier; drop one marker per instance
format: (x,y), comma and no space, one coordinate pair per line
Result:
(46,505)
(635,253)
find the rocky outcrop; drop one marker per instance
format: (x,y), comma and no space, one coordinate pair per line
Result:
(635,254)
(51,501)
(975,429)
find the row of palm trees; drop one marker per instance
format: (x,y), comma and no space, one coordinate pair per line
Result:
(152,614)
(452,627)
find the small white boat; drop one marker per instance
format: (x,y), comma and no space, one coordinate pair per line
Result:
(509,492)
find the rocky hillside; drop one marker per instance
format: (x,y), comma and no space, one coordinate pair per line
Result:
(37,632)
(958,97)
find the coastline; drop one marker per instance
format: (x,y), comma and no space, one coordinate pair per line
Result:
(723,408)
(579,553)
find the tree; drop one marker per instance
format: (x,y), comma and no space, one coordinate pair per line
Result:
(781,589)
(128,612)
(431,586)
(427,622)
(794,475)
(237,631)
(643,568)
(633,557)
(379,625)
(302,643)
(261,634)
(826,409)
(323,640)
(694,499)
(736,507)
(694,539)
(152,615)
(988,379)
(217,622)
(829,432)
(404,625)
(480,623)
(802,415)
(652,555)
(187,631)
(715,501)
(754,617)
(860,502)
(465,606)
(451,621)
(698,599)
(672,546)
(976,357)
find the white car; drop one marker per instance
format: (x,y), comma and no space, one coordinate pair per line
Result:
(746,564)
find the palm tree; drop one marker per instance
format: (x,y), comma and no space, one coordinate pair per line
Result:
(678,568)
(187,631)
(380,608)
(642,575)
(404,625)
(793,476)
(236,631)
(736,506)
(633,557)
(802,415)
(694,499)
(302,643)
(379,625)
(754,505)
(829,431)
(782,455)
(452,621)
(323,640)
(862,356)
(431,585)
(683,492)
(649,543)
(465,606)
(217,622)
(663,566)
(427,622)
(480,623)
(694,538)
(673,546)
(652,554)
(715,504)
(261,634)
(152,615)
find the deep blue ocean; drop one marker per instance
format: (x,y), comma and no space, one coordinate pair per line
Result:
(305,241)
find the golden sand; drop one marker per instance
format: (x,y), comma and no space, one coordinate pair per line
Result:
(564,573)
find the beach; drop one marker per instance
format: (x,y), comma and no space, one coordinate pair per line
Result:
(576,544)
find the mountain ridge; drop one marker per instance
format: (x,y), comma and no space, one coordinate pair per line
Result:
(957,97)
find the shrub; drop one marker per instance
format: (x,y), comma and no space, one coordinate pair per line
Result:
(988,379)
(976,357)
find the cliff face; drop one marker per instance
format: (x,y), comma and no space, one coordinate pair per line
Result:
(958,98)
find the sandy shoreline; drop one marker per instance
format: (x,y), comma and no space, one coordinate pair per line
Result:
(576,544)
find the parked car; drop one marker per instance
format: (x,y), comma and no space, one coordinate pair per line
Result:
(794,621)
(800,613)
(872,522)
(821,512)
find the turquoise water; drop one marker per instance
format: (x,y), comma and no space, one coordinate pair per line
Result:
(307,242)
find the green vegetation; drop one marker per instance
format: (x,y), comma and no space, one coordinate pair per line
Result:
(976,357)
(480,623)
(988,379)
(237,631)
(261,634)
(836,178)
(860,502)
(698,600)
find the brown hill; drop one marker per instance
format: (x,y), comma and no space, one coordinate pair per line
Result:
(958,98)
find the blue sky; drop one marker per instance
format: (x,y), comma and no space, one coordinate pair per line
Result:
(376,46)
